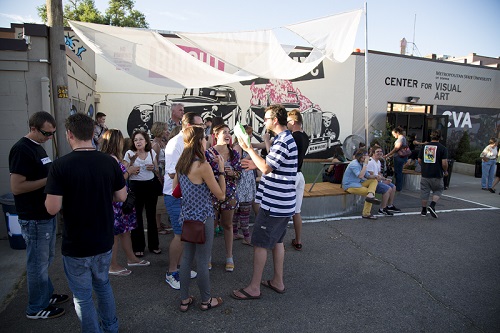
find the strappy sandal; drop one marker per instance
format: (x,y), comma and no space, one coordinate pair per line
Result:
(208,305)
(296,245)
(185,306)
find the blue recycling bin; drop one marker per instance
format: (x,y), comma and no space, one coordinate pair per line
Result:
(16,239)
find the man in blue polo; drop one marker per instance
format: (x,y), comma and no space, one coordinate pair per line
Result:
(276,195)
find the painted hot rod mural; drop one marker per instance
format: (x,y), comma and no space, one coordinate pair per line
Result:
(221,101)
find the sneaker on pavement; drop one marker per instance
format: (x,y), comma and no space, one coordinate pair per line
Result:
(193,274)
(424,211)
(173,280)
(393,208)
(432,211)
(385,211)
(57,299)
(47,313)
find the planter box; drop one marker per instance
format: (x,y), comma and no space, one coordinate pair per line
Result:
(464,169)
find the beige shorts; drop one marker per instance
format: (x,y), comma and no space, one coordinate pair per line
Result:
(160,206)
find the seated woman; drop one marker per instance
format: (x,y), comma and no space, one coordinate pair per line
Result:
(357,180)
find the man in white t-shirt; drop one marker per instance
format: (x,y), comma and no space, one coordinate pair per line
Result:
(384,186)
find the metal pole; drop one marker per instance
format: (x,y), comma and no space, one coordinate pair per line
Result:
(366,76)
(59,75)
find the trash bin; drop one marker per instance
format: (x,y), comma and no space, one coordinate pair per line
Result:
(478,171)
(16,239)
(446,179)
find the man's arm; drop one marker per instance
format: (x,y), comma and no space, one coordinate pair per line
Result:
(19,184)
(444,164)
(53,203)
(256,162)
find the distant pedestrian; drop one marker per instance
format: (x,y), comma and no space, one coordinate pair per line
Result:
(399,161)
(87,193)
(29,166)
(489,156)
(433,158)
(99,128)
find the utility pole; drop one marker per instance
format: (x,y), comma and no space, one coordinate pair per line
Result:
(59,74)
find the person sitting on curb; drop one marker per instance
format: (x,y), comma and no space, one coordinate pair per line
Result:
(357,180)
(384,186)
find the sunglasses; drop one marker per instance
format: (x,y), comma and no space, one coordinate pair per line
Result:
(46,133)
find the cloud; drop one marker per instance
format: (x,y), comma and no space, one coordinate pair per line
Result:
(14,18)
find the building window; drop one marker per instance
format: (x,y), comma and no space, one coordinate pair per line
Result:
(397,107)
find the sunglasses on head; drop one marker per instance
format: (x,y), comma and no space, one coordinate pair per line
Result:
(46,133)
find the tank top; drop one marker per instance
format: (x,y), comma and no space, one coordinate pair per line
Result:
(196,202)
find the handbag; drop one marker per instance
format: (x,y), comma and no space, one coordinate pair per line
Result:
(193,231)
(404,151)
(176,193)
(129,203)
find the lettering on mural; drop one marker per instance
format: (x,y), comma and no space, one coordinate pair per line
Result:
(69,41)
(443,90)
(459,119)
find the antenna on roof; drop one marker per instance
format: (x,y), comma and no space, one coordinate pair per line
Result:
(413,43)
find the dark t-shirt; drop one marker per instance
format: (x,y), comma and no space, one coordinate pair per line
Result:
(29,159)
(302,142)
(432,154)
(87,181)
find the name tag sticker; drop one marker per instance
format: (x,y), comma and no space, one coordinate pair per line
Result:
(46,160)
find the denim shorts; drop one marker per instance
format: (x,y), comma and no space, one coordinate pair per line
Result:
(268,230)
(382,188)
(174,210)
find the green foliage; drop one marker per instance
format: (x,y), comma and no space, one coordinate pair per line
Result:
(121,13)
(469,157)
(463,146)
(383,138)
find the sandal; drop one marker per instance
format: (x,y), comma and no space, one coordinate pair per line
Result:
(157,251)
(208,305)
(185,306)
(296,245)
(139,254)
(369,217)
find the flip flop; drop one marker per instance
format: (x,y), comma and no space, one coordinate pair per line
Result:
(244,293)
(139,254)
(270,286)
(121,272)
(296,246)
(140,263)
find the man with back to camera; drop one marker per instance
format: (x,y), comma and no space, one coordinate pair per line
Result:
(29,166)
(294,123)
(276,195)
(433,158)
(87,194)
(173,151)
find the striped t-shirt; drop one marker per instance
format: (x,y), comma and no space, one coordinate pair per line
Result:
(276,192)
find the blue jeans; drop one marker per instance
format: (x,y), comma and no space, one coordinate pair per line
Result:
(398,171)
(85,274)
(174,211)
(40,237)
(488,169)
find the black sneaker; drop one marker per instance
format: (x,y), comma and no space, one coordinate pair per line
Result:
(47,313)
(432,211)
(57,299)
(393,208)
(424,211)
(385,211)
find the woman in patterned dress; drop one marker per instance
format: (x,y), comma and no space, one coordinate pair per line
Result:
(112,144)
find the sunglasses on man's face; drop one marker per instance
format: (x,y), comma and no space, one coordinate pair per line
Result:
(46,133)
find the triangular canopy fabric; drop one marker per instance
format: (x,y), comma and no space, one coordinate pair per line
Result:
(247,55)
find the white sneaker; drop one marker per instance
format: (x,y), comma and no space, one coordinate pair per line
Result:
(173,280)
(193,274)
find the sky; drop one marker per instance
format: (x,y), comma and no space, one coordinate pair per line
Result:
(442,27)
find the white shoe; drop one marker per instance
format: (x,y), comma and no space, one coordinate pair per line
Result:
(173,280)
(193,274)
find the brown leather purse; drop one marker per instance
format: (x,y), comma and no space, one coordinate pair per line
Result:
(193,231)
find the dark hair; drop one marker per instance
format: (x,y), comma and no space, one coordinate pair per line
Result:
(99,115)
(216,121)
(127,145)
(193,149)
(492,140)
(146,137)
(208,119)
(81,125)
(435,135)
(278,111)
(217,129)
(188,119)
(398,130)
(38,119)
(112,143)
(359,153)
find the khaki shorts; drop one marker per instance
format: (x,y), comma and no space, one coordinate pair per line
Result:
(160,206)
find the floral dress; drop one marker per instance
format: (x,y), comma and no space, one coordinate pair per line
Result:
(231,200)
(123,222)
(246,186)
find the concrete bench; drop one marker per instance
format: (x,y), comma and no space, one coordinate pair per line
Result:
(411,180)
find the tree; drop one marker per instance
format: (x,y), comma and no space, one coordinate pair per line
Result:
(120,13)
(463,146)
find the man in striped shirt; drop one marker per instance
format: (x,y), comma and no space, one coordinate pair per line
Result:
(276,195)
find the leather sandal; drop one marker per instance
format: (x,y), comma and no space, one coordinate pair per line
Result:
(208,305)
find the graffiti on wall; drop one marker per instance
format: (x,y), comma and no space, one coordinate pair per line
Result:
(70,41)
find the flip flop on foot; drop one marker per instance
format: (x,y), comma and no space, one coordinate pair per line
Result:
(270,286)
(121,272)
(140,263)
(204,306)
(246,296)
(296,245)
(139,254)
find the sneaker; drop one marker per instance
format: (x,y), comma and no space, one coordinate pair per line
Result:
(385,212)
(193,274)
(393,208)
(424,211)
(491,190)
(57,299)
(47,313)
(173,280)
(432,211)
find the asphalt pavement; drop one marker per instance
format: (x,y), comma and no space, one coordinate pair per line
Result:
(405,273)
